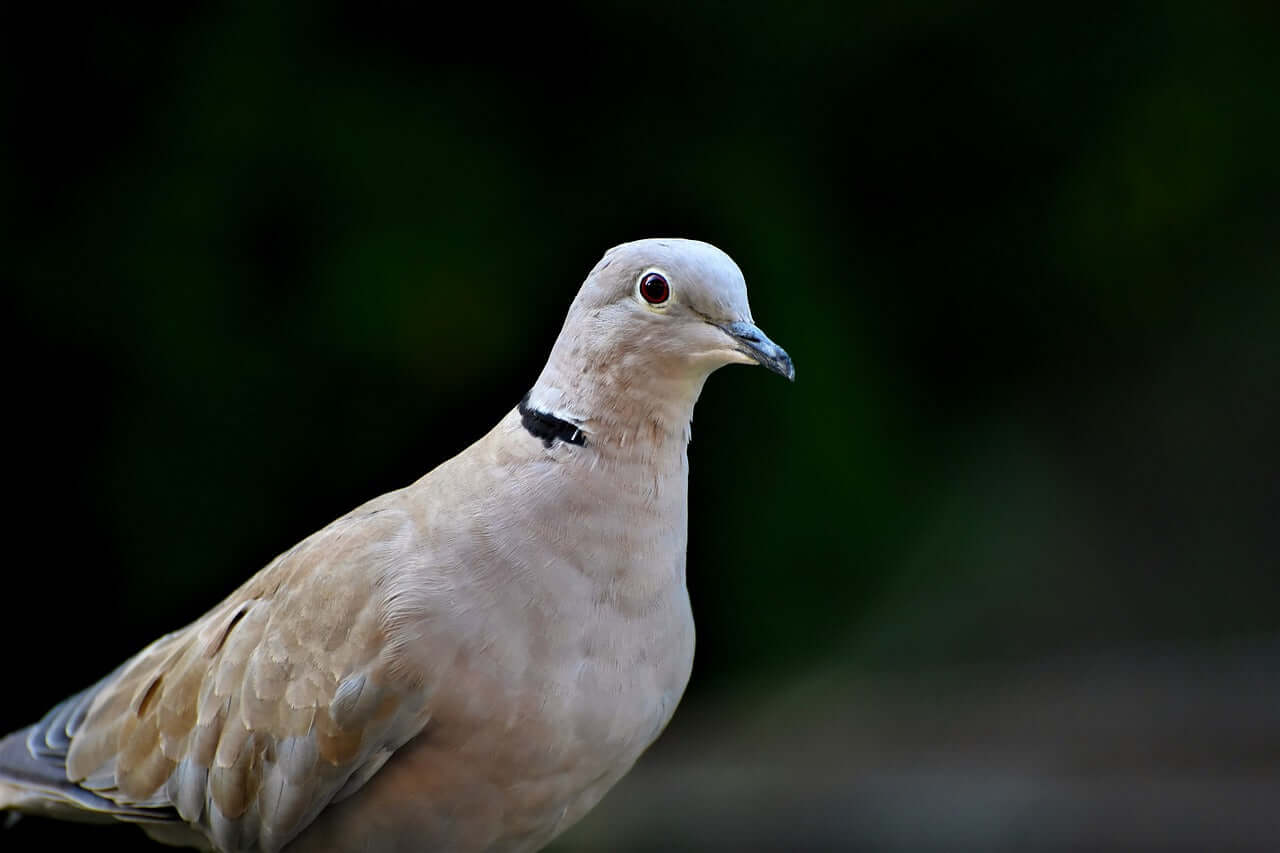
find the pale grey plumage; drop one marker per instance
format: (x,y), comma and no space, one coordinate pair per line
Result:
(467,663)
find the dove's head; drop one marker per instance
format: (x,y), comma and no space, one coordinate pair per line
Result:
(680,306)
(653,319)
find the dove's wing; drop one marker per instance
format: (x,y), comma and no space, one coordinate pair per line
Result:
(248,722)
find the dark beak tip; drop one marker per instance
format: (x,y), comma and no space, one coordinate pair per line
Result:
(784,368)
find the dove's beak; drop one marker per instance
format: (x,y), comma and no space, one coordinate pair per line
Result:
(757,345)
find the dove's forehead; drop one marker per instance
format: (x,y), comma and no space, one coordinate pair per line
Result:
(699,271)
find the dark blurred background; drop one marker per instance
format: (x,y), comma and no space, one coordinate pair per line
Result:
(999,571)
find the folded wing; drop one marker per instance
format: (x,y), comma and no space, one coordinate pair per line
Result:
(240,728)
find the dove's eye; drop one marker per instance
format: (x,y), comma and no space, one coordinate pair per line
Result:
(654,288)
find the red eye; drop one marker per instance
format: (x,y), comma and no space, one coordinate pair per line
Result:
(654,289)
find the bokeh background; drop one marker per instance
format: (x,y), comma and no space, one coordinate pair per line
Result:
(1000,571)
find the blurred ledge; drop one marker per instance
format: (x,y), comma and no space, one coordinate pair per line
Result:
(1129,751)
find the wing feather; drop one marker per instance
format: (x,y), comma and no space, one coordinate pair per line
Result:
(249,721)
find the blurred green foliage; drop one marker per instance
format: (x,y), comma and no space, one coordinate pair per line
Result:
(268,260)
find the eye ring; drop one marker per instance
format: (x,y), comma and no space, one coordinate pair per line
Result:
(654,288)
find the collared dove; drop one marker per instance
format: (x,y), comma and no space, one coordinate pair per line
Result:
(468,663)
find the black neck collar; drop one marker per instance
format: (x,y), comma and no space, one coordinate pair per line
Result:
(548,427)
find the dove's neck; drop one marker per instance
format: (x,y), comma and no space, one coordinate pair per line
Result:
(625,407)
(630,476)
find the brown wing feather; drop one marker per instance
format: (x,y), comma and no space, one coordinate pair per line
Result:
(250,720)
